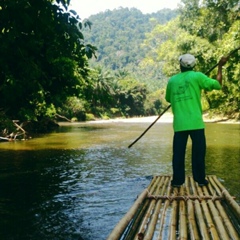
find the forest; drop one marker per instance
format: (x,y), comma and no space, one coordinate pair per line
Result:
(56,66)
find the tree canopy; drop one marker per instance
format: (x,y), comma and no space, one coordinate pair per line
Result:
(115,63)
(198,30)
(43,56)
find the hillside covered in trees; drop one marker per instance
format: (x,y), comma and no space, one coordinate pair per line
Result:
(115,64)
(119,36)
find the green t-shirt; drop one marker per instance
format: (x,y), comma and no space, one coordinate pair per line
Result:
(184,94)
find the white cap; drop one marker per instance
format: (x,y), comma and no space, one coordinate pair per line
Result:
(187,60)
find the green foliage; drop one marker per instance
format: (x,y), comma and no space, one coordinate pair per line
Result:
(90,117)
(43,56)
(73,107)
(118,35)
(115,112)
(155,102)
(114,95)
(207,29)
(131,97)
(6,125)
(99,92)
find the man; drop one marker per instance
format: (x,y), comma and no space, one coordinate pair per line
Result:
(184,94)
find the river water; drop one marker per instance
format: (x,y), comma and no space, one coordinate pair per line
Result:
(79,181)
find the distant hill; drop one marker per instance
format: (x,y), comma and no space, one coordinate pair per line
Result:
(119,34)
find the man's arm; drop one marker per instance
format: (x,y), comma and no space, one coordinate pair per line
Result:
(221,63)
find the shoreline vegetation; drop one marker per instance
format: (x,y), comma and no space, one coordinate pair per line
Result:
(23,134)
(166,118)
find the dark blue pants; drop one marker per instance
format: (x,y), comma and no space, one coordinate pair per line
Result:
(198,155)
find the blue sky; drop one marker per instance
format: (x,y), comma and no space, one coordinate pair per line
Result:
(85,8)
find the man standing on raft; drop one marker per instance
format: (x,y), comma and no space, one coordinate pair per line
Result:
(184,94)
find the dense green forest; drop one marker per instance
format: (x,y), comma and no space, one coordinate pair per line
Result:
(119,36)
(55,66)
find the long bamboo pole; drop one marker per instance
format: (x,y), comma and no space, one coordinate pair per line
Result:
(215,189)
(232,52)
(231,230)
(218,221)
(137,221)
(120,227)
(145,223)
(152,223)
(162,217)
(193,232)
(140,222)
(221,211)
(203,191)
(173,223)
(162,186)
(152,188)
(233,204)
(173,216)
(201,223)
(211,227)
(192,226)
(182,217)
(149,127)
(156,185)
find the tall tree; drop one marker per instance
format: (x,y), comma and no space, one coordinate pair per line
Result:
(199,31)
(100,94)
(43,56)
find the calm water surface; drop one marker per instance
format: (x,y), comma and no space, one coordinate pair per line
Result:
(78,182)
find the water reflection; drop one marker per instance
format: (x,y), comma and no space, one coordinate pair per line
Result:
(78,182)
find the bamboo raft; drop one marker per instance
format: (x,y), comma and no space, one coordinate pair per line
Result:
(188,212)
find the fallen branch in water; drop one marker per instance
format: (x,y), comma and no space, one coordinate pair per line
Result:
(14,135)
(63,117)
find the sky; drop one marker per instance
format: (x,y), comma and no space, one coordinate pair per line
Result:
(86,8)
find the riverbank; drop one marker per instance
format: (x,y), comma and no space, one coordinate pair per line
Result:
(167,118)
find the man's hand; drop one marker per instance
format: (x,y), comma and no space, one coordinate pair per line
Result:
(223,61)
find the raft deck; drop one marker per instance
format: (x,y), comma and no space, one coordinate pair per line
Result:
(188,212)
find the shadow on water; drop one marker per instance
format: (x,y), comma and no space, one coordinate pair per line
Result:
(35,195)
(78,182)
(64,194)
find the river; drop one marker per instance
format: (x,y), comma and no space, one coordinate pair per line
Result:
(79,181)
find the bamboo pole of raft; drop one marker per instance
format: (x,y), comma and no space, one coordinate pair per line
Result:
(151,188)
(162,186)
(234,205)
(200,219)
(145,221)
(194,191)
(192,226)
(218,221)
(173,224)
(152,224)
(120,227)
(225,219)
(212,230)
(231,230)
(154,185)
(144,225)
(159,185)
(163,213)
(214,184)
(182,217)
(134,229)
(221,229)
